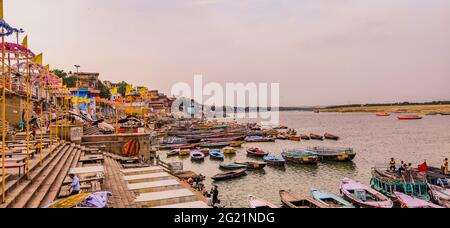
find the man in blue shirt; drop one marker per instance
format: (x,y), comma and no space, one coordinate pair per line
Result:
(75,186)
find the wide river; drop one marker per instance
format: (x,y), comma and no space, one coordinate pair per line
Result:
(375,139)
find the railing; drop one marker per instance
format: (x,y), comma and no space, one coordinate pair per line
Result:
(170,167)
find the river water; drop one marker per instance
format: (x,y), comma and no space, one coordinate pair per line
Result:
(375,139)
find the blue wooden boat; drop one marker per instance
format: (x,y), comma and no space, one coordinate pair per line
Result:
(275,161)
(329,199)
(215,154)
(232,166)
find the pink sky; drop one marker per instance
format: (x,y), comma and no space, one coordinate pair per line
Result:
(322,52)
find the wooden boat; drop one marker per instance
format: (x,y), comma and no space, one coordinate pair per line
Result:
(440,195)
(215,145)
(329,199)
(295,138)
(173,153)
(254,202)
(259,139)
(214,154)
(363,196)
(304,137)
(334,153)
(232,166)
(205,151)
(256,152)
(185,146)
(436,171)
(316,137)
(294,200)
(300,156)
(275,161)
(413,184)
(236,143)
(229,175)
(253,165)
(229,150)
(184,152)
(282,137)
(197,156)
(281,127)
(410,117)
(331,136)
(407,201)
(383,114)
(224,139)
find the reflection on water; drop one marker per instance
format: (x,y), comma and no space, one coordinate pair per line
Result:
(375,140)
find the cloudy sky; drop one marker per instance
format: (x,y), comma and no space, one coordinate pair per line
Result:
(322,52)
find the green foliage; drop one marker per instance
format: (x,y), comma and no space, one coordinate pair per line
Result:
(121,87)
(60,73)
(104,92)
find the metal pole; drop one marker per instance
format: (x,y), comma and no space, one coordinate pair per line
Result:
(41,120)
(3,112)
(50,120)
(27,124)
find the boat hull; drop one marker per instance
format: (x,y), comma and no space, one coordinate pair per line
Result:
(229,175)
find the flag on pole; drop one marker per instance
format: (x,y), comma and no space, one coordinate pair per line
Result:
(113,91)
(1,9)
(143,91)
(25,42)
(129,90)
(38,59)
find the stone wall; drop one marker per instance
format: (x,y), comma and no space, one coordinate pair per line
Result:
(14,106)
(115,143)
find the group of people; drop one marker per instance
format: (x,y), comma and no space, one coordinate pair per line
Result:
(405,168)
(212,196)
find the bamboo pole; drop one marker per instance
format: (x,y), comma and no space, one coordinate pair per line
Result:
(57,117)
(117,118)
(3,111)
(41,157)
(50,121)
(27,122)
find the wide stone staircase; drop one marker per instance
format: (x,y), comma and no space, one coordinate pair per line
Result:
(157,189)
(44,181)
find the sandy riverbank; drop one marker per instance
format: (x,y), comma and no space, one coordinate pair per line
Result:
(419,109)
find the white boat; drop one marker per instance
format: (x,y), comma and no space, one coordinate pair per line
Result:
(254,202)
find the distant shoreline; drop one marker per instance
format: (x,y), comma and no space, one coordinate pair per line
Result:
(419,109)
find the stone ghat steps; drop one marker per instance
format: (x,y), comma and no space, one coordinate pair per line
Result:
(30,193)
(53,180)
(142,178)
(194,204)
(54,189)
(170,197)
(156,188)
(122,198)
(34,169)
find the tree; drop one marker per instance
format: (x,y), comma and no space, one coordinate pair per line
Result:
(104,92)
(60,73)
(122,87)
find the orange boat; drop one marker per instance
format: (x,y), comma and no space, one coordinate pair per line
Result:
(295,138)
(383,114)
(410,117)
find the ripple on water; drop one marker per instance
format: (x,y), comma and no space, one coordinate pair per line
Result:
(375,139)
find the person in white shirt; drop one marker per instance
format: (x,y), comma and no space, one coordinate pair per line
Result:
(218,204)
(75,186)
(209,201)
